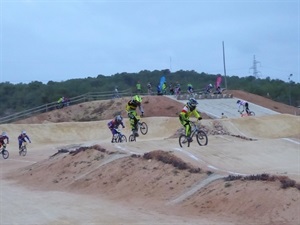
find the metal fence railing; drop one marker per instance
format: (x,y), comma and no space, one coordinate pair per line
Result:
(90,96)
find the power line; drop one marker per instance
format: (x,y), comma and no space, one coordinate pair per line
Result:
(254,67)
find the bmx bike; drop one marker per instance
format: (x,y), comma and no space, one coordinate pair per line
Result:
(23,150)
(119,137)
(143,127)
(250,113)
(4,152)
(200,135)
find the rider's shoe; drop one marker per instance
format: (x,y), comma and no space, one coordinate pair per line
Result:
(135,133)
(184,141)
(188,139)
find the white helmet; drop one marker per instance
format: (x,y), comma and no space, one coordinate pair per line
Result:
(119,118)
(4,133)
(23,132)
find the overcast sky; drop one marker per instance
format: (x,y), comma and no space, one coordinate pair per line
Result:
(57,40)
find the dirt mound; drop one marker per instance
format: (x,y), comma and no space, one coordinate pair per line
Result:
(154,106)
(161,177)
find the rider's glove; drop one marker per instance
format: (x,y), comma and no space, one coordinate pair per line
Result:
(123,126)
(200,118)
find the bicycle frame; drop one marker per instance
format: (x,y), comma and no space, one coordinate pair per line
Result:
(194,128)
(119,136)
(23,150)
(195,131)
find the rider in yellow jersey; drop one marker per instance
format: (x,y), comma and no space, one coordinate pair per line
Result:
(132,114)
(186,112)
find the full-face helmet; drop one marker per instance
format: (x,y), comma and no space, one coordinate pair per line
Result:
(23,132)
(137,98)
(192,103)
(238,102)
(119,118)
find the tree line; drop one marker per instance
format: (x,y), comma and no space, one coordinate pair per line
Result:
(18,97)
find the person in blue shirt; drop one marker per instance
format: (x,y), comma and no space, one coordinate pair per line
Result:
(114,124)
(22,138)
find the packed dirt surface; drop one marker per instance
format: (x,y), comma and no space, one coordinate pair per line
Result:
(249,173)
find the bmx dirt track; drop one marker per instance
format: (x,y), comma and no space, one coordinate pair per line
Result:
(74,175)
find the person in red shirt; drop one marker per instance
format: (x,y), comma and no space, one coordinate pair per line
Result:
(4,137)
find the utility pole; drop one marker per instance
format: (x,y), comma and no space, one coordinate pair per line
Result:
(224,65)
(254,67)
(290,92)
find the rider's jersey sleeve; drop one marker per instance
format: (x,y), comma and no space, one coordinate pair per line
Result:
(196,113)
(27,138)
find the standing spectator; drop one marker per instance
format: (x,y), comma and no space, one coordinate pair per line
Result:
(190,89)
(171,89)
(138,87)
(164,88)
(116,92)
(60,102)
(159,92)
(218,84)
(66,101)
(177,89)
(149,87)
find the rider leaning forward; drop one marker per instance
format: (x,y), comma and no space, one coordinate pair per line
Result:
(114,124)
(244,105)
(4,137)
(22,138)
(184,116)
(132,114)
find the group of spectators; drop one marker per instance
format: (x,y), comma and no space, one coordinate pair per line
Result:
(175,89)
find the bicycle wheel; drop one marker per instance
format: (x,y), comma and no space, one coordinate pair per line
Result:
(23,151)
(123,138)
(183,142)
(131,138)
(201,138)
(5,154)
(143,128)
